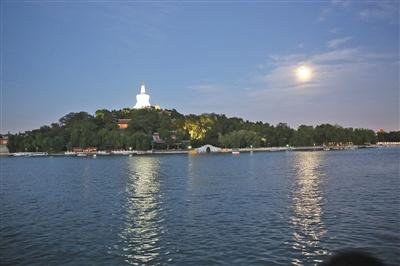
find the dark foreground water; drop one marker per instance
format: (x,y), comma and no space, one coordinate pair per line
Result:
(283,208)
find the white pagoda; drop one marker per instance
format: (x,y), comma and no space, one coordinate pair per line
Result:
(142,99)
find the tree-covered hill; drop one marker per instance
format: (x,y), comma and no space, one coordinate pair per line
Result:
(178,131)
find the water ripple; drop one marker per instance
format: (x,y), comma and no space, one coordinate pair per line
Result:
(289,208)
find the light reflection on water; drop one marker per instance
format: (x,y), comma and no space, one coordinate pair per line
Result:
(307,207)
(282,209)
(143,218)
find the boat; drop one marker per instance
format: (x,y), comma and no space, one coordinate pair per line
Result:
(30,154)
(235,152)
(121,152)
(21,154)
(34,154)
(103,153)
(144,152)
(69,153)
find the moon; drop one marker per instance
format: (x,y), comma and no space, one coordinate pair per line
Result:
(304,73)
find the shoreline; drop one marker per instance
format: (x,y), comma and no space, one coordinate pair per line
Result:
(194,152)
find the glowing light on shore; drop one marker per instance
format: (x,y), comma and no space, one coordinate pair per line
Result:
(304,73)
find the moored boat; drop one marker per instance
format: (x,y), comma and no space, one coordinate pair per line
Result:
(235,152)
(30,154)
(34,154)
(144,152)
(20,154)
(121,152)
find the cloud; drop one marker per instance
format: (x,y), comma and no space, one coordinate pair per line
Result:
(207,88)
(334,31)
(286,58)
(352,87)
(387,11)
(335,43)
(329,68)
(325,12)
(369,11)
(281,75)
(331,8)
(349,54)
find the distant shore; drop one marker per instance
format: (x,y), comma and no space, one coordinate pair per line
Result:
(194,152)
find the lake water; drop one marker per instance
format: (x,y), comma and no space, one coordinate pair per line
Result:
(278,208)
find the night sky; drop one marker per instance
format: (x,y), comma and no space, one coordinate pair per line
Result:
(238,58)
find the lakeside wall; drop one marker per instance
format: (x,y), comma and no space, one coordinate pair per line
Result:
(194,152)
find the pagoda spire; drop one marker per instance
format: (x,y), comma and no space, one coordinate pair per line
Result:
(142,88)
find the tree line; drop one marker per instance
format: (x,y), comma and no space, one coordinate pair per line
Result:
(82,130)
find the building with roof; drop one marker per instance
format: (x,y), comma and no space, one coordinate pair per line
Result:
(142,99)
(123,123)
(3,144)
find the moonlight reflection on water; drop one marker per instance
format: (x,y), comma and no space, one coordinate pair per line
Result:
(308,207)
(143,219)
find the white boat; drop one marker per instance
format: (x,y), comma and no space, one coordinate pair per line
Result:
(34,154)
(143,152)
(121,152)
(20,154)
(103,153)
(69,153)
(235,152)
(30,154)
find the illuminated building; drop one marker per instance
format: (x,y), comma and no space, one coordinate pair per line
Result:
(123,123)
(142,99)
